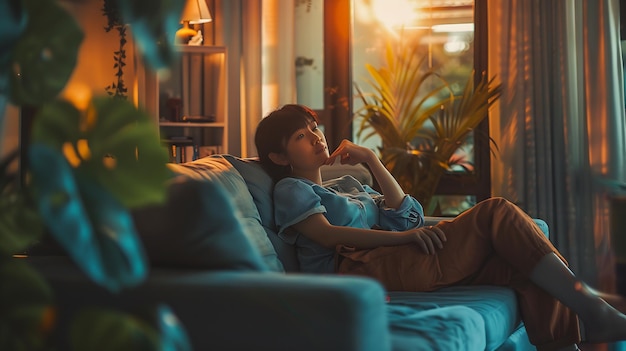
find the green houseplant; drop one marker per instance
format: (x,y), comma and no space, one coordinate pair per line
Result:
(420,121)
(85,167)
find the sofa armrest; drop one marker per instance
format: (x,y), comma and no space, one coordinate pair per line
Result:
(242,310)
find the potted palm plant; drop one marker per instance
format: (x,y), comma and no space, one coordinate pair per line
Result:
(420,121)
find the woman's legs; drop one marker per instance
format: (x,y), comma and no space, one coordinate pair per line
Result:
(602,323)
(496,243)
(506,244)
(518,242)
(492,243)
(549,323)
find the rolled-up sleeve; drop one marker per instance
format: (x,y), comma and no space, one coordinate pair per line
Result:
(294,201)
(410,214)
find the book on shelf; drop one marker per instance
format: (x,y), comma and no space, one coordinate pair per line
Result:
(195,88)
(181,149)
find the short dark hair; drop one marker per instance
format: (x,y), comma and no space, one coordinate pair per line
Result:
(273,132)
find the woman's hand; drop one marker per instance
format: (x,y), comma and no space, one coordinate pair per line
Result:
(350,153)
(429,238)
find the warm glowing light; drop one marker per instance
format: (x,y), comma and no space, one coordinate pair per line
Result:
(79,94)
(88,119)
(456,46)
(70,154)
(394,13)
(453,28)
(109,162)
(83,149)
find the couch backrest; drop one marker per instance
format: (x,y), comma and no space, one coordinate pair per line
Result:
(234,171)
(260,186)
(219,169)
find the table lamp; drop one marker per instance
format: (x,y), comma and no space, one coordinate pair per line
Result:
(195,12)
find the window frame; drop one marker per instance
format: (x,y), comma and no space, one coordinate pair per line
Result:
(337,114)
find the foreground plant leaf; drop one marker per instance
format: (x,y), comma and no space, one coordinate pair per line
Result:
(12,24)
(173,334)
(44,57)
(84,218)
(20,224)
(112,143)
(26,303)
(98,329)
(154,25)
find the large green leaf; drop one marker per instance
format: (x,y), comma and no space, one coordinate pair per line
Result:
(92,226)
(26,304)
(97,329)
(115,144)
(130,138)
(56,123)
(45,55)
(154,24)
(20,224)
(12,24)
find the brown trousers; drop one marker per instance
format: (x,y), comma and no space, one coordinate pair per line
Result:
(493,243)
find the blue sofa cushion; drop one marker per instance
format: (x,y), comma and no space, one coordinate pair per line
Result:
(447,328)
(216,169)
(496,305)
(196,227)
(260,185)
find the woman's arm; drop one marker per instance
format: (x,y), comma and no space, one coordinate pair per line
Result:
(353,154)
(317,228)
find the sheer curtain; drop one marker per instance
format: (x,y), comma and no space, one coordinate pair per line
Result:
(560,122)
(260,40)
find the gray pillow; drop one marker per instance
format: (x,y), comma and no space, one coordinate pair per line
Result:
(216,169)
(261,187)
(197,227)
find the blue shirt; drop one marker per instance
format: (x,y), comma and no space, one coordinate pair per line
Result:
(344,202)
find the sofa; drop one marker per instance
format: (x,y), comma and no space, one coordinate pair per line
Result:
(216,261)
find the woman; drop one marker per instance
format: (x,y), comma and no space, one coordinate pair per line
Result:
(348,228)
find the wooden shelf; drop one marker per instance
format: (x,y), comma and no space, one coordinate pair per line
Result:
(197,86)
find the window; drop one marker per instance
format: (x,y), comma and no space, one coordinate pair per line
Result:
(356,33)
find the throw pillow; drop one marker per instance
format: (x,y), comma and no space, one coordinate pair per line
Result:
(197,227)
(218,170)
(261,186)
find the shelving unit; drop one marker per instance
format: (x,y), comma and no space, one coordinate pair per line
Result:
(191,106)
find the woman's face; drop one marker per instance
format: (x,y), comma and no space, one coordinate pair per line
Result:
(306,148)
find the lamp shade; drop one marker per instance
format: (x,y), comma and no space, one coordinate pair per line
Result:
(196,11)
